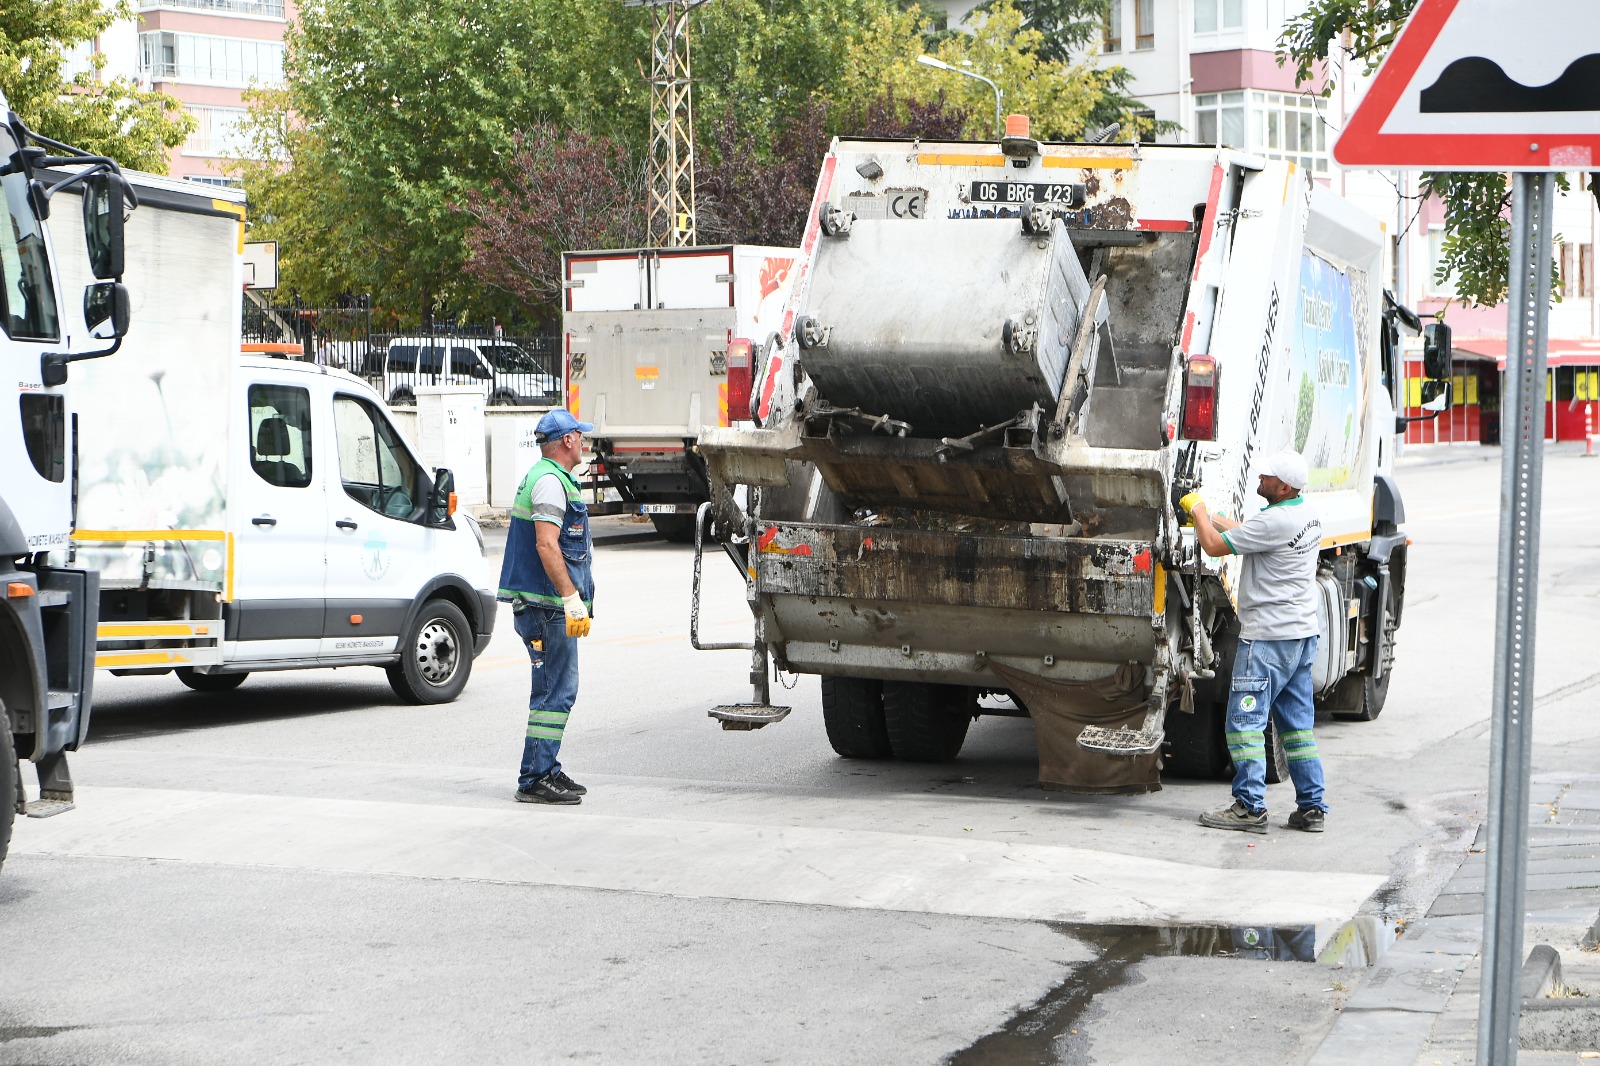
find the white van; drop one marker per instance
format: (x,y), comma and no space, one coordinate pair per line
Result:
(247,513)
(509,375)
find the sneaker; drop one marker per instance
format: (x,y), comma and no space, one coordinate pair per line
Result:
(546,790)
(561,779)
(1235,816)
(1307,821)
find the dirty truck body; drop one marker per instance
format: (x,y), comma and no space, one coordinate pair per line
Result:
(999,368)
(659,343)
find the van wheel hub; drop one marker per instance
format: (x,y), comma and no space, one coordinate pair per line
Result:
(438,652)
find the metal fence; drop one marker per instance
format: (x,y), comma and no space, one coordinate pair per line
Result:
(513,369)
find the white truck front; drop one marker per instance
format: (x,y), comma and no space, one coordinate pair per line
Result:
(47,613)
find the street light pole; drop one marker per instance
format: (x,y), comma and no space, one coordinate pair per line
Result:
(999,106)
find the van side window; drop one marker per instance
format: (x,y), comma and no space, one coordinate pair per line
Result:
(280,435)
(402,358)
(377,470)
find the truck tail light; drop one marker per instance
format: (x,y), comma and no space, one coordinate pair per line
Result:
(741,368)
(1200,398)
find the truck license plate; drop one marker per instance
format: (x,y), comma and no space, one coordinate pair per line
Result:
(1021,192)
(658,508)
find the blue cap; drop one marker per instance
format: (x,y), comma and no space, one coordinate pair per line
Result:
(557,424)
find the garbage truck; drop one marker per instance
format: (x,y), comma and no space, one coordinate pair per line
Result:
(48,611)
(1000,367)
(659,342)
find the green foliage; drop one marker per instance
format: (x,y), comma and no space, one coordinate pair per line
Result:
(1477,220)
(404,113)
(1303,412)
(113,118)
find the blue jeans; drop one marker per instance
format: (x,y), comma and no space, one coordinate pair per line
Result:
(1273,677)
(555,688)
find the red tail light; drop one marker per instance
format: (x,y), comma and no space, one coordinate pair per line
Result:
(1200,398)
(740,371)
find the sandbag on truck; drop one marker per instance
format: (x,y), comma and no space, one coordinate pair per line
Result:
(977,417)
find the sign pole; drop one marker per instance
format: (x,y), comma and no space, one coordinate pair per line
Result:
(1521,484)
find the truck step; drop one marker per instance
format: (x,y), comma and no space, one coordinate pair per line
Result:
(46,808)
(60,698)
(748,715)
(1123,742)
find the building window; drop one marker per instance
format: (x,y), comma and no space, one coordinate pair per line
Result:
(1289,126)
(219,132)
(228,60)
(1211,16)
(1112,41)
(1577,270)
(1219,119)
(1144,24)
(215,179)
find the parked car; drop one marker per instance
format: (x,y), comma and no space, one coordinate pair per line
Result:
(508,374)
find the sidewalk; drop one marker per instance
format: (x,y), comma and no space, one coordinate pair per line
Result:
(1419,1003)
(1414,455)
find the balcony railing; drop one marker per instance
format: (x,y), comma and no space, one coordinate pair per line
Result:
(267,8)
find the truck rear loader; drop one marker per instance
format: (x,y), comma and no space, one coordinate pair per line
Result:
(1000,368)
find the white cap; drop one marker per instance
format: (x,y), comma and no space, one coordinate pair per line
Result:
(1289,468)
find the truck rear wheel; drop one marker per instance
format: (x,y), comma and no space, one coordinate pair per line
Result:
(10,778)
(677,528)
(852,711)
(435,655)
(1194,745)
(1277,756)
(927,723)
(194,679)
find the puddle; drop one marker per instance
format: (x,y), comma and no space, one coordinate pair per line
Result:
(1030,1036)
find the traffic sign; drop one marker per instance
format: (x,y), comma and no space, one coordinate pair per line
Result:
(1484,85)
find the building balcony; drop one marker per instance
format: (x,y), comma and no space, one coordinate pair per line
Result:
(261,8)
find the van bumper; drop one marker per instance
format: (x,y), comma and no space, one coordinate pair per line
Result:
(488,607)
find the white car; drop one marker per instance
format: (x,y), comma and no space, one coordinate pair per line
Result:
(509,375)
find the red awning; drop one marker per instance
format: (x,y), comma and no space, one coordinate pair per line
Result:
(1560,351)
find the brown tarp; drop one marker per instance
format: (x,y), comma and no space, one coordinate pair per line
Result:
(1061,709)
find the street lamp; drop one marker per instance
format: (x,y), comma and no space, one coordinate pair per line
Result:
(999,108)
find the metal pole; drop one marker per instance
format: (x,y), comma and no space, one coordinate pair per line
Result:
(1521,483)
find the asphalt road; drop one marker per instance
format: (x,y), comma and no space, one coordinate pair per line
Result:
(305,871)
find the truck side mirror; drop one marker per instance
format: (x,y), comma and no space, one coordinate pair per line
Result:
(442,501)
(1437,361)
(105,309)
(103,224)
(1436,396)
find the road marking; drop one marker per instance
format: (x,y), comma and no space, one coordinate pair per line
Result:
(784,864)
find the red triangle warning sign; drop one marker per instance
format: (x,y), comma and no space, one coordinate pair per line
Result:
(1484,85)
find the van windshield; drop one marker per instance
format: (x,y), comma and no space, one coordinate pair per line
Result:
(509,359)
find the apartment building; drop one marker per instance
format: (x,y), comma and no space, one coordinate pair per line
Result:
(205,53)
(1210,66)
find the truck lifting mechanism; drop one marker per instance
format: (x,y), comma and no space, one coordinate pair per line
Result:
(998,370)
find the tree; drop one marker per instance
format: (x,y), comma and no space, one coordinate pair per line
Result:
(114,118)
(566,191)
(1476,254)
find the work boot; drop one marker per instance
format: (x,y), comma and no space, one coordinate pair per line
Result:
(545,790)
(1308,820)
(1235,816)
(561,779)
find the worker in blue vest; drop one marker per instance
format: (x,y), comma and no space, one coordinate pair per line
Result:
(547,577)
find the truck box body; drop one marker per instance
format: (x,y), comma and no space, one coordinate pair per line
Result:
(971,479)
(248,513)
(648,335)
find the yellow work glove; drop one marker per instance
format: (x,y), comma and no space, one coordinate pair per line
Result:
(577,615)
(1188,504)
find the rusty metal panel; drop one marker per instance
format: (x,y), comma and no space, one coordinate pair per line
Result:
(1097,576)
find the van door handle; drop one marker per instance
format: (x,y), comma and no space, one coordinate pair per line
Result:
(263,520)
(345,523)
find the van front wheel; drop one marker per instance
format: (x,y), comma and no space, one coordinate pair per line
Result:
(435,655)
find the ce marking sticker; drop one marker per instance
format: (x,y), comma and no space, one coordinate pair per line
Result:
(907,203)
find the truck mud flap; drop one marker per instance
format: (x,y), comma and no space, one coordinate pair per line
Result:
(1063,709)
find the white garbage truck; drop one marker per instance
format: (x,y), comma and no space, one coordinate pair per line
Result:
(659,343)
(247,513)
(48,611)
(1000,367)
